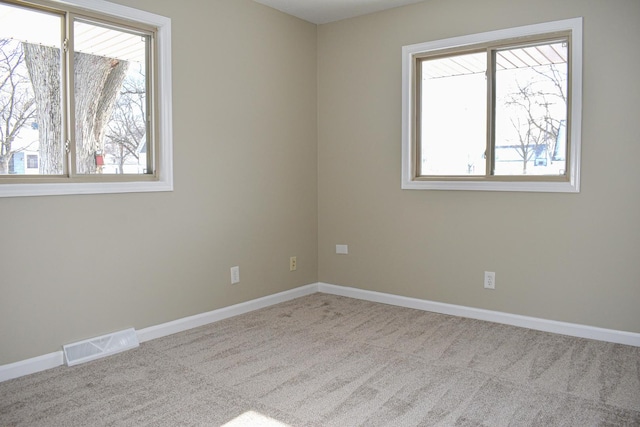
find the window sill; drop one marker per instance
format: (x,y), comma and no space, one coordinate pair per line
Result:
(57,189)
(526,186)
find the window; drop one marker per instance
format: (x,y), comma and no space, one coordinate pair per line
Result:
(85,87)
(494,111)
(32,161)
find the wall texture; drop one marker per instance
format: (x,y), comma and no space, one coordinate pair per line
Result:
(566,257)
(245,154)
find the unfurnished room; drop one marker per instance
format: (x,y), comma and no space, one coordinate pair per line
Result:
(319,213)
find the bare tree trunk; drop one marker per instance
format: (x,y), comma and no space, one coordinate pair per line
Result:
(97,84)
(43,63)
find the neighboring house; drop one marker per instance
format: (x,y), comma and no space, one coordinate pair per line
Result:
(26,158)
(24,163)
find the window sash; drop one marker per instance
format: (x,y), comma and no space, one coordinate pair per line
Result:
(72,18)
(490,49)
(69,15)
(528,183)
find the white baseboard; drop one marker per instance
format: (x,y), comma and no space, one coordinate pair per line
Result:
(31,366)
(202,319)
(55,359)
(571,329)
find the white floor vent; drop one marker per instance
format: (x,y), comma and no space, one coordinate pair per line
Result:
(95,348)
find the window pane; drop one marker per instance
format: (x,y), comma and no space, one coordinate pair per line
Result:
(531,110)
(30,97)
(110,100)
(453,103)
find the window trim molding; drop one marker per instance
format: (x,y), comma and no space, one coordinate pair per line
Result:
(163,104)
(572,185)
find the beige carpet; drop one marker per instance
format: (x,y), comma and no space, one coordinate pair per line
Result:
(324,360)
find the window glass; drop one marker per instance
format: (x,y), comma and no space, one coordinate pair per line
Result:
(453,115)
(531,109)
(110,100)
(30,91)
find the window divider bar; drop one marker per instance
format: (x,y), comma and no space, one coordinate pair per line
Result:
(490,77)
(69,98)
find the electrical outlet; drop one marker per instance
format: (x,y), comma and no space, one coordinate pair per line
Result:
(235,275)
(293,264)
(489,279)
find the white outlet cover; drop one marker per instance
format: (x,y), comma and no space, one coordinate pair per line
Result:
(489,280)
(342,249)
(235,275)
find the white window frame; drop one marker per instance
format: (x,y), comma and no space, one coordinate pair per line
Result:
(572,185)
(164,138)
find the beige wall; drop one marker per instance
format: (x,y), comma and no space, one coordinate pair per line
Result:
(566,257)
(245,154)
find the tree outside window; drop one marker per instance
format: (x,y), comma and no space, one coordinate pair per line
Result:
(109,94)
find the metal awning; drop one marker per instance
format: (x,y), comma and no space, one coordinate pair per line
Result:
(475,63)
(44,28)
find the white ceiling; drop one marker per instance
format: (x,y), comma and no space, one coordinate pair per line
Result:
(325,11)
